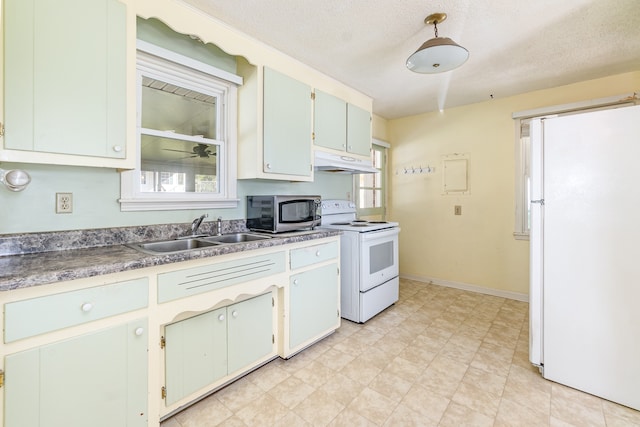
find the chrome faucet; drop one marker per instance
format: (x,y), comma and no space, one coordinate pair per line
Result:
(219,226)
(196,224)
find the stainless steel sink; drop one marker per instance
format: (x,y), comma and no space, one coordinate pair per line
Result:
(178,245)
(187,244)
(236,238)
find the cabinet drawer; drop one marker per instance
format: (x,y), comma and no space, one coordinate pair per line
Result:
(193,281)
(313,254)
(37,316)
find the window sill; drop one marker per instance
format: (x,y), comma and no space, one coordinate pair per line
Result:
(521,236)
(130,205)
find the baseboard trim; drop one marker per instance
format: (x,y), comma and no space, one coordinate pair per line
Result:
(468,287)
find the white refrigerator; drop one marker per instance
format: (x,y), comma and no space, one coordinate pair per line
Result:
(585,252)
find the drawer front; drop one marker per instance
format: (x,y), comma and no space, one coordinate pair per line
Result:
(193,281)
(313,254)
(40,315)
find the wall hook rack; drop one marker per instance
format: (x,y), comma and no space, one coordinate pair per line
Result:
(415,170)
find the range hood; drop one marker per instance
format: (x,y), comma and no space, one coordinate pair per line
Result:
(339,163)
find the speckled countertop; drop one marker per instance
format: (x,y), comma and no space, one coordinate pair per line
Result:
(24,269)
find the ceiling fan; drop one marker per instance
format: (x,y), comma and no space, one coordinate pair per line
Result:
(199,150)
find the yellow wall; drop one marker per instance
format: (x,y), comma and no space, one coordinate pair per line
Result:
(379,128)
(476,248)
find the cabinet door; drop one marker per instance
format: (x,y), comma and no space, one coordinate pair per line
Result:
(250,331)
(65,76)
(98,379)
(313,304)
(196,353)
(287,125)
(329,121)
(358,130)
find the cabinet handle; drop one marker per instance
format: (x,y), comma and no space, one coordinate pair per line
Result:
(317,253)
(221,317)
(268,165)
(234,313)
(117,148)
(295,282)
(86,307)
(139,331)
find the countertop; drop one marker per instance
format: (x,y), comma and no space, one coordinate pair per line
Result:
(35,269)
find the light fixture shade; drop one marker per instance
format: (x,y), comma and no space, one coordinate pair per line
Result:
(15,179)
(437,55)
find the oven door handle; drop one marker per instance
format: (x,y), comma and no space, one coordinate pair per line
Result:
(387,232)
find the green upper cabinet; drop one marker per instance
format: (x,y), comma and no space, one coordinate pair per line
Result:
(65,66)
(287,125)
(358,130)
(341,126)
(329,121)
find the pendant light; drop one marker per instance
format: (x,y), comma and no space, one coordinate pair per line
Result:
(439,54)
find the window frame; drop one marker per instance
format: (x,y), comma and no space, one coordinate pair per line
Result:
(161,64)
(383,147)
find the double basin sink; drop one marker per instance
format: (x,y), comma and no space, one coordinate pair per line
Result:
(189,243)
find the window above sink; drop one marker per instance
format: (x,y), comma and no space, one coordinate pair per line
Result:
(186,157)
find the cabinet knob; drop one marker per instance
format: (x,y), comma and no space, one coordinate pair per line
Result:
(86,307)
(117,148)
(234,313)
(295,282)
(317,253)
(139,331)
(268,165)
(221,317)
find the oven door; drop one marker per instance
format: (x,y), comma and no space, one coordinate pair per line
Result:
(379,257)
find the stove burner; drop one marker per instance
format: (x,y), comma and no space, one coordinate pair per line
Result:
(360,220)
(378,222)
(360,224)
(340,223)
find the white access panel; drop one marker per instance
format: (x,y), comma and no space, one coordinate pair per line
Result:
(591,266)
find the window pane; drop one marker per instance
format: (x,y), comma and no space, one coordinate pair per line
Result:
(377,158)
(168,107)
(369,199)
(368,179)
(178,166)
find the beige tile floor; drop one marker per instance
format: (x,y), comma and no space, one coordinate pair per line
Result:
(438,357)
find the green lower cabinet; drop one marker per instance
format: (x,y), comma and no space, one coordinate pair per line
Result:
(98,379)
(196,353)
(314,304)
(205,348)
(250,331)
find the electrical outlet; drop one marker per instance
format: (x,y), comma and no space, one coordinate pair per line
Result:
(457,210)
(64,202)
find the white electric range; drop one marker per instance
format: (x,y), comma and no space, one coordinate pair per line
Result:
(369,268)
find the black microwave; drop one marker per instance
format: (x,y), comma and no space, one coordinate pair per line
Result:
(277,214)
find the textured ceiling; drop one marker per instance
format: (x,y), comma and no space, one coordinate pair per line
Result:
(515,46)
